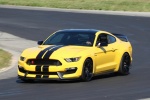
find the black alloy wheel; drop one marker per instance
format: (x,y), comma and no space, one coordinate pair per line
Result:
(125,64)
(87,72)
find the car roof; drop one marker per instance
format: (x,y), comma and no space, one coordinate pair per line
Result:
(92,31)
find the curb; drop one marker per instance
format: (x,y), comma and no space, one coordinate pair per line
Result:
(14,59)
(122,13)
(11,43)
(14,54)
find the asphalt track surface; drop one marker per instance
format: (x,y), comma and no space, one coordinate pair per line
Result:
(37,25)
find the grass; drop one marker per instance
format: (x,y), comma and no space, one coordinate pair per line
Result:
(115,5)
(5,58)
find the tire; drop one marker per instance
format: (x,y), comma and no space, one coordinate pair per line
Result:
(125,64)
(87,71)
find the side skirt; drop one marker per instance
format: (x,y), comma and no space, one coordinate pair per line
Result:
(105,72)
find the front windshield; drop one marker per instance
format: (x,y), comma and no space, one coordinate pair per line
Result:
(71,38)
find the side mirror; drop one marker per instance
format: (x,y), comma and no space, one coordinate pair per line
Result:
(40,42)
(98,45)
(102,44)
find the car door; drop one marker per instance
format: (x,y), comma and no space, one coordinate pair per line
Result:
(105,54)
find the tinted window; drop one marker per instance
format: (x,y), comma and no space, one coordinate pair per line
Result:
(111,39)
(57,39)
(71,38)
(102,38)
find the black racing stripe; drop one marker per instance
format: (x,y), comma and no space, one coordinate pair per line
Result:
(48,54)
(45,68)
(38,76)
(39,56)
(38,68)
(45,76)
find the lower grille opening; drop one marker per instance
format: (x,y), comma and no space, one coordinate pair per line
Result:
(36,72)
(45,73)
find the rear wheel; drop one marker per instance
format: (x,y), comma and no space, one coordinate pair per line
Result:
(87,71)
(125,64)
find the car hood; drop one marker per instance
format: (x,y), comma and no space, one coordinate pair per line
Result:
(51,51)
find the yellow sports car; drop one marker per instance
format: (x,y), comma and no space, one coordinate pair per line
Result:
(76,54)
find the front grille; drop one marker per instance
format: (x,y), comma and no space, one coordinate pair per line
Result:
(43,73)
(47,62)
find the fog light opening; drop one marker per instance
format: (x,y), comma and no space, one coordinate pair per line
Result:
(71,68)
(20,66)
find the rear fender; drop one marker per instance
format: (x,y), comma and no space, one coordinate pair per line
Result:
(126,48)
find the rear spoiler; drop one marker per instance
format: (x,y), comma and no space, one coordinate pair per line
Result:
(121,37)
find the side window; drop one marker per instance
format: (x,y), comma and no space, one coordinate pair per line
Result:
(111,39)
(102,38)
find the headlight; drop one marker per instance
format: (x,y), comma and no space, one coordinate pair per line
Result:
(75,59)
(22,58)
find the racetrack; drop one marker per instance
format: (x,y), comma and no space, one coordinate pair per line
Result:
(37,25)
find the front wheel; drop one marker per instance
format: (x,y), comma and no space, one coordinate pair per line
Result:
(125,64)
(87,71)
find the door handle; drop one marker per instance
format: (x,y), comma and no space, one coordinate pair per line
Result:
(113,50)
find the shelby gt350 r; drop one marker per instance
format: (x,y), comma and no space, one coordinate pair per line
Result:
(76,54)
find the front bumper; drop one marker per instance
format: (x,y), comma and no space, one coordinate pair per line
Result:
(51,73)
